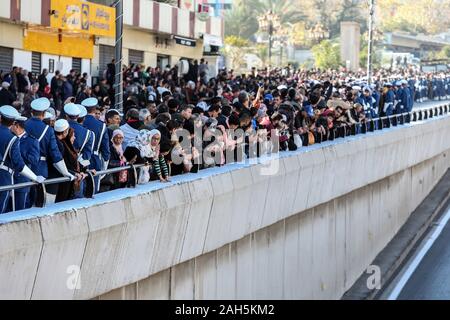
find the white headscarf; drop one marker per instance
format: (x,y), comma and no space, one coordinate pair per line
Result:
(143,143)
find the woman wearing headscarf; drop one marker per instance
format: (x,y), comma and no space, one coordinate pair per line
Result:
(65,137)
(145,150)
(160,168)
(117,159)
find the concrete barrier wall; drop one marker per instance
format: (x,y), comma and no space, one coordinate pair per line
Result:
(316,254)
(326,213)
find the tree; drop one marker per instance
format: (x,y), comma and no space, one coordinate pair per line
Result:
(327,55)
(444,53)
(418,16)
(235,50)
(297,34)
(242,20)
(262,51)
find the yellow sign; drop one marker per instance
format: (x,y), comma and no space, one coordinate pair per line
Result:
(64,45)
(84,17)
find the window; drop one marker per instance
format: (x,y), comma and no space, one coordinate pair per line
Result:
(6,59)
(36,63)
(107,54)
(135,56)
(76,64)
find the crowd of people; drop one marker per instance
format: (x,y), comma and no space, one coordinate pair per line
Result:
(180,120)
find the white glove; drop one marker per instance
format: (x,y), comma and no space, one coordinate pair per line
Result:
(84,163)
(40,179)
(27,173)
(105,165)
(62,168)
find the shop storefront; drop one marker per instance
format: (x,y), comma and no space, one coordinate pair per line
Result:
(61,37)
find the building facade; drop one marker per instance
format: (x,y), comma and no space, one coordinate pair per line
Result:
(38,34)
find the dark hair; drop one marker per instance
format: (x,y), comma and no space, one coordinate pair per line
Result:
(173,103)
(314,98)
(198,110)
(226,111)
(173,124)
(21,124)
(7,122)
(214,107)
(233,120)
(132,114)
(187,106)
(110,114)
(162,118)
(37,113)
(162,108)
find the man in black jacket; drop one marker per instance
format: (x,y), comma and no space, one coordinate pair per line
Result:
(22,83)
(43,80)
(111,72)
(6,97)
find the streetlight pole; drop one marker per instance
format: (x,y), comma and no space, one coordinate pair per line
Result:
(270,42)
(118,86)
(370,49)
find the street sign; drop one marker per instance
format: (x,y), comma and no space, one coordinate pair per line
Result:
(185,41)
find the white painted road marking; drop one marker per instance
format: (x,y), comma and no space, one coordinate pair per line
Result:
(418,258)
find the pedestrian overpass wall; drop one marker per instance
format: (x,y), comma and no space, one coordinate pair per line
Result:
(308,229)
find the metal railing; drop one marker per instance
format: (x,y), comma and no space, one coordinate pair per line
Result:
(378,124)
(89,182)
(371,125)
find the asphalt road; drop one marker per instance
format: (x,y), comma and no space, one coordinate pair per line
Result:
(431,278)
(430,104)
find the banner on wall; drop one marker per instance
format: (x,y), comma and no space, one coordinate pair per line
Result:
(50,43)
(83,17)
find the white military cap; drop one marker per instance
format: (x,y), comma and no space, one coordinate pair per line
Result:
(21,118)
(404,82)
(41,104)
(357,88)
(83,111)
(48,115)
(61,125)
(71,109)
(10,112)
(281,87)
(90,102)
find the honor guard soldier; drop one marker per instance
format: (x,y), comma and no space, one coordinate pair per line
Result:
(29,149)
(389,100)
(11,158)
(101,152)
(47,140)
(84,139)
(406,99)
(399,97)
(83,114)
